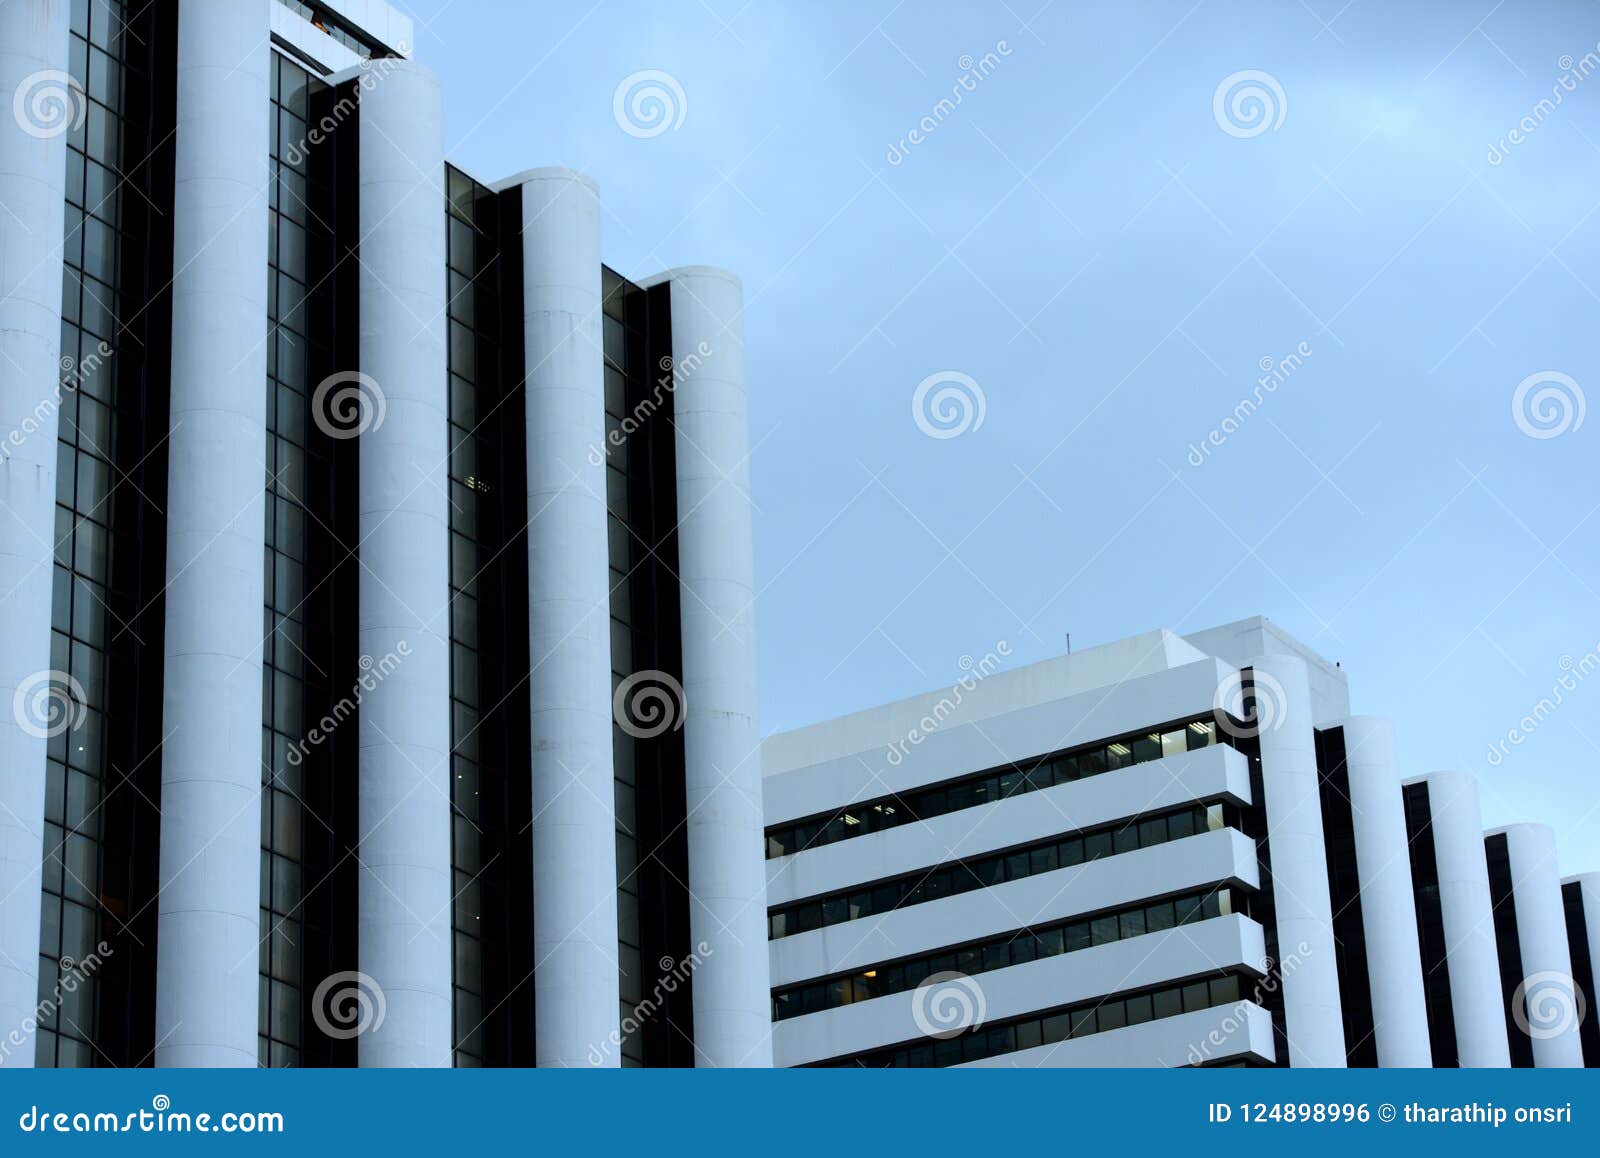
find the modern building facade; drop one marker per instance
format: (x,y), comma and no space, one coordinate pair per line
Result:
(376,640)
(1165,851)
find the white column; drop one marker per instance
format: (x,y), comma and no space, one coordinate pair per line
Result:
(405,891)
(211,698)
(1388,903)
(1471,958)
(1542,937)
(1313,1021)
(1589,894)
(727,870)
(33,173)
(576,990)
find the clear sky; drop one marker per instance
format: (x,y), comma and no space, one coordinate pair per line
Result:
(1110,257)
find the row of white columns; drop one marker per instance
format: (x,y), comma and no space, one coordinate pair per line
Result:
(405,894)
(574,825)
(206,1006)
(1312,1013)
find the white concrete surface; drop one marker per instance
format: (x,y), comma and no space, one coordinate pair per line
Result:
(1313,1021)
(574,816)
(722,738)
(1470,952)
(404,584)
(211,700)
(1388,905)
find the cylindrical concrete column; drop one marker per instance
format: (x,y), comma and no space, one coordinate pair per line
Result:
(1548,1014)
(405,889)
(722,741)
(211,697)
(576,990)
(1388,904)
(1470,953)
(1313,1019)
(33,173)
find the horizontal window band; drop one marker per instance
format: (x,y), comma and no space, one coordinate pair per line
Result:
(1014,948)
(994,784)
(1115,1011)
(1063,850)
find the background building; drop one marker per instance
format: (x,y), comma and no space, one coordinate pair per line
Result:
(366,489)
(1162,851)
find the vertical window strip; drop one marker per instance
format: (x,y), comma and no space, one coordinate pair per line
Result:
(471,260)
(291,680)
(85,538)
(625,644)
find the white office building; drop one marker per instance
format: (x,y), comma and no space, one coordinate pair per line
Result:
(1164,851)
(376,645)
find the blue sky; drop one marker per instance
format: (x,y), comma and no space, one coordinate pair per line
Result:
(1085,241)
